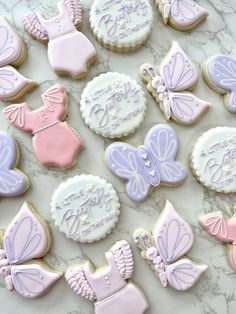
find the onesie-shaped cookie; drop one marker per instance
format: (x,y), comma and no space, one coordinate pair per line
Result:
(69,51)
(54,142)
(26,239)
(108,287)
(12,53)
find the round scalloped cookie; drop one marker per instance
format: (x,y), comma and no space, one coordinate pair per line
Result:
(113,105)
(85,208)
(213,159)
(121,26)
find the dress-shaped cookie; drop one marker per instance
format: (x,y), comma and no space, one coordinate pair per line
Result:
(54,142)
(69,51)
(108,287)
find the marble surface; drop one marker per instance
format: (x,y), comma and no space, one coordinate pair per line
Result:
(215,293)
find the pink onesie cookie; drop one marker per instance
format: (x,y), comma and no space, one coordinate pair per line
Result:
(69,51)
(54,142)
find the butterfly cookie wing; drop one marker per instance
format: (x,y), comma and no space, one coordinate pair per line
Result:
(122,160)
(26,237)
(12,182)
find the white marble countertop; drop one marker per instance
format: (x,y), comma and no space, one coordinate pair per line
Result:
(215,293)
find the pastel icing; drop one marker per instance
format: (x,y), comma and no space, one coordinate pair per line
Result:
(12,82)
(122,24)
(46,125)
(169,83)
(148,165)
(224,230)
(69,51)
(213,159)
(108,287)
(221,70)
(181,14)
(113,105)
(85,208)
(164,247)
(25,239)
(12,181)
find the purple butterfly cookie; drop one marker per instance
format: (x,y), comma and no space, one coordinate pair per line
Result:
(148,165)
(12,181)
(220,75)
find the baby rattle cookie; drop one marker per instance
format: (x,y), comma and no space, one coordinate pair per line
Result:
(182,15)
(219,73)
(12,54)
(69,51)
(109,287)
(213,159)
(121,26)
(224,230)
(24,242)
(85,208)
(113,105)
(148,165)
(12,181)
(54,142)
(164,247)
(169,84)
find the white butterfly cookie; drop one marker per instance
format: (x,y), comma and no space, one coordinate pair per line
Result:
(182,15)
(13,52)
(168,85)
(27,238)
(170,239)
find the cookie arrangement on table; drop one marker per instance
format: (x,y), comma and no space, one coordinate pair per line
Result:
(86,208)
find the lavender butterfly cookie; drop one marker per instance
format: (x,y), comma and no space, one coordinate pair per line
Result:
(168,85)
(220,74)
(109,287)
(163,248)
(26,239)
(12,181)
(148,165)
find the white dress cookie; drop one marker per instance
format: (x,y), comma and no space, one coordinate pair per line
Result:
(121,25)
(113,105)
(85,208)
(213,159)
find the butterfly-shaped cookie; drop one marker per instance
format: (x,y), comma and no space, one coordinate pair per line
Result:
(181,14)
(12,181)
(26,238)
(148,165)
(220,75)
(224,230)
(170,240)
(12,52)
(168,85)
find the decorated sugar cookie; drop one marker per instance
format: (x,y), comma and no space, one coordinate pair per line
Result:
(213,159)
(113,105)
(69,51)
(12,181)
(110,287)
(182,15)
(148,165)
(54,142)
(121,26)
(220,73)
(224,230)
(169,84)
(164,247)
(26,239)
(12,53)
(85,208)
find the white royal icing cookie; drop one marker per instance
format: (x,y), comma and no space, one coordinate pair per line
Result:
(121,25)
(85,208)
(113,105)
(213,159)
